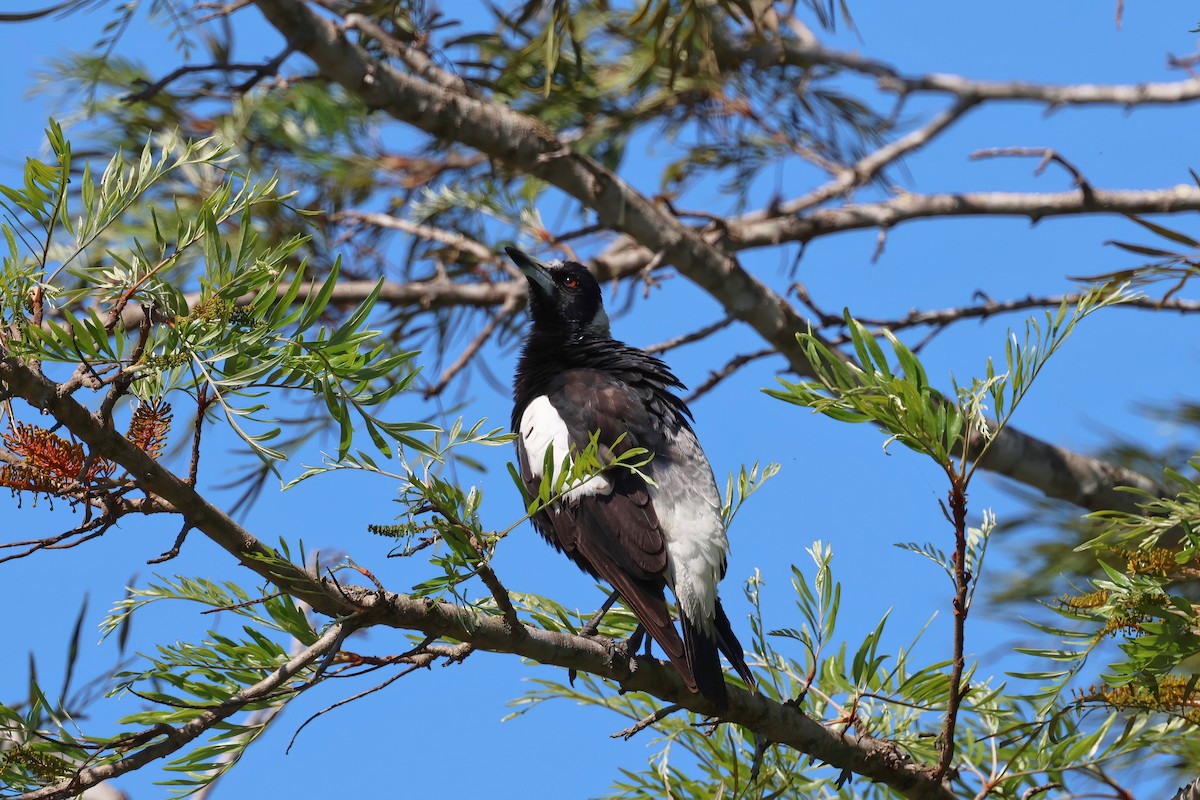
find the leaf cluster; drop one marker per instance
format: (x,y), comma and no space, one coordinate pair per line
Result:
(903,403)
(181,681)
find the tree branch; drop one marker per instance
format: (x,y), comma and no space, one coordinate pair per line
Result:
(765,229)
(791,52)
(619,262)
(473,347)
(156,480)
(456,240)
(1079,94)
(947,316)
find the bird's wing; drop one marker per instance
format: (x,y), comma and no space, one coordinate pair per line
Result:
(615,508)
(609,525)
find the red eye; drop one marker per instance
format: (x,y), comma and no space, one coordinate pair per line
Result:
(570,282)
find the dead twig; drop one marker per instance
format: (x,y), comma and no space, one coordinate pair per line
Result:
(867,168)
(258,72)
(1047,156)
(733,365)
(646,722)
(1034,791)
(688,338)
(253,602)
(508,309)
(452,239)
(174,551)
(503,601)
(947,316)
(86,532)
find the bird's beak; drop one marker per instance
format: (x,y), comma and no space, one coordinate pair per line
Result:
(536,271)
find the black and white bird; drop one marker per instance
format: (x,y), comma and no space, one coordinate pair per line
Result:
(574,380)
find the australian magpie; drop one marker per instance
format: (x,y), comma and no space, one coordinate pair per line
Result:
(574,380)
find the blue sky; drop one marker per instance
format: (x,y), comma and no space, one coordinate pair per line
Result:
(442,728)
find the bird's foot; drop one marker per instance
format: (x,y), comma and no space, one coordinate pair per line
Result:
(616,653)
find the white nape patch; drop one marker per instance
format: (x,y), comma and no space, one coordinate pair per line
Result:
(543,428)
(688,506)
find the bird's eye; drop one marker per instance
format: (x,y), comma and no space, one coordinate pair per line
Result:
(570,282)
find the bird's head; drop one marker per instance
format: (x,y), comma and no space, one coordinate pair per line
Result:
(562,295)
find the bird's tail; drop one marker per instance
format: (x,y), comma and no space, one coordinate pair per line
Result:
(650,607)
(702,651)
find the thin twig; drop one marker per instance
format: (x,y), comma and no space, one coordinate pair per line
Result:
(890,79)
(688,338)
(245,604)
(1034,791)
(86,532)
(586,230)
(174,551)
(503,601)
(962,585)
(508,309)
(646,275)
(351,699)
(258,72)
(452,239)
(646,722)
(947,316)
(219,9)
(1121,792)
(869,166)
(733,365)
(1047,155)
(366,573)
(825,318)
(416,548)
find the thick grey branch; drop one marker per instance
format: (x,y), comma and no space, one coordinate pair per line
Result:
(1079,94)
